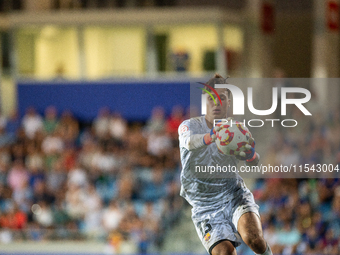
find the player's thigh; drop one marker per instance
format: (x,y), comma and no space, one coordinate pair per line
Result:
(214,230)
(249,226)
(224,248)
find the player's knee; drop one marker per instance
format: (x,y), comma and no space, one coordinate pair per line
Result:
(255,241)
(224,248)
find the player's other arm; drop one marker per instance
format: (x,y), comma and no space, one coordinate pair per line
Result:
(194,141)
(253,161)
(251,157)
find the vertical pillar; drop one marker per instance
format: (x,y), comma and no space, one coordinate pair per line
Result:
(258,60)
(13,57)
(259,28)
(325,50)
(151,55)
(81,51)
(221,64)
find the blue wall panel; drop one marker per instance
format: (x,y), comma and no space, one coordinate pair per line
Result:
(134,100)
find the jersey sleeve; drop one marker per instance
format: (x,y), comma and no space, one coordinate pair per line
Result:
(187,138)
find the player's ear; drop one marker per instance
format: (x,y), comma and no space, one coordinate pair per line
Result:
(228,103)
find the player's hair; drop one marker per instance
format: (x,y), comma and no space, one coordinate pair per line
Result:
(217,79)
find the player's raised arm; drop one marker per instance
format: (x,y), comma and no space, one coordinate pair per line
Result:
(194,141)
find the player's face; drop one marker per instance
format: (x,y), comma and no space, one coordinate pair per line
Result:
(216,110)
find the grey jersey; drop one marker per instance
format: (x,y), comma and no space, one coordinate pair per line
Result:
(204,191)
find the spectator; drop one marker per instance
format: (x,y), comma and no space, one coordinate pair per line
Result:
(57,177)
(112,216)
(173,122)
(93,212)
(68,128)
(51,120)
(125,186)
(3,173)
(75,202)
(271,235)
(117,127)
(101,124)
(104,161)
(330,243)
(17,176)
(288,237)
(32,123)
(159,143)
(53,144)
(154,189)
(14,218)
(77,176)
(335,213)
(23,197)
(87,153)
(34,159)
(5,157)
(156,123)
(60,216)
(69,158)
(43,214)
(40,193)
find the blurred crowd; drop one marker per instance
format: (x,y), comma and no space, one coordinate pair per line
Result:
(302,216)
(109,180)
(118,181)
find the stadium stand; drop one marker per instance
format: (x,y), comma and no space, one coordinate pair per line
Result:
(59,181)
(62,180)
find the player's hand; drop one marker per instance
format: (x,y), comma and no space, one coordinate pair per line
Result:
(211,137)
(249,154)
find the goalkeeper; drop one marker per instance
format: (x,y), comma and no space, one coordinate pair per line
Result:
(224,211)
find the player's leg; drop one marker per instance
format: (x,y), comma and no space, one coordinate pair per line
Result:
(217,235)
(223,248)
(250,229)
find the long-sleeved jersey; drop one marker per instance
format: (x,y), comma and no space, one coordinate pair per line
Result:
(201,188)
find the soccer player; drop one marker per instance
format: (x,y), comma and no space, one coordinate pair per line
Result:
(224,211)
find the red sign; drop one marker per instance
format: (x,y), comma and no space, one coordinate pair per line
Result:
(333,16)
(267,18)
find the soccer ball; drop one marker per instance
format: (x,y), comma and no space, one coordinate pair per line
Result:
(232,138)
